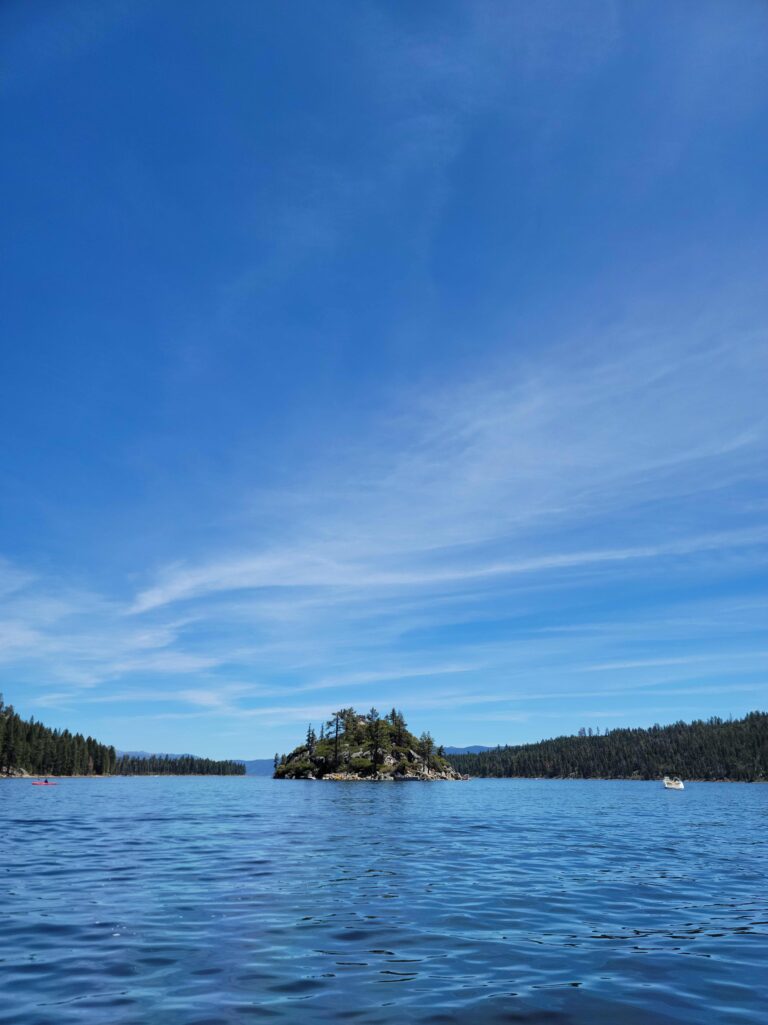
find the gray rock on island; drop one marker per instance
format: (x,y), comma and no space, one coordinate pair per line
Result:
(351,746)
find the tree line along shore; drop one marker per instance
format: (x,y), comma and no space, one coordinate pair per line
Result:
(28,748)
(354,746)
(707,749)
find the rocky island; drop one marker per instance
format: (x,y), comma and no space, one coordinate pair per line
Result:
(351,746)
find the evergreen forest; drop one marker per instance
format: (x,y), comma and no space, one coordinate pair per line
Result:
(179,765)
(364,747)
(28,746)
(707,749)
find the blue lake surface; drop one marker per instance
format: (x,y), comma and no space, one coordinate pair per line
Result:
(207,901)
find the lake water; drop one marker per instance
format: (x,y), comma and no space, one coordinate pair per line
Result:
(206,901)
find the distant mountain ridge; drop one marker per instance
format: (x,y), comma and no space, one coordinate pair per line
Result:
(258,766)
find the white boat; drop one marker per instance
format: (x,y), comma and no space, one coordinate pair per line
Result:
(673,783)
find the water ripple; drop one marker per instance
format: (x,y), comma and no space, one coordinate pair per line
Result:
(196,901)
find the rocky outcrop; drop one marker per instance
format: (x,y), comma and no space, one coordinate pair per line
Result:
(397,774)
(367,748)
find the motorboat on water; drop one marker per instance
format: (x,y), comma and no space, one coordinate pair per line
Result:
(673,783)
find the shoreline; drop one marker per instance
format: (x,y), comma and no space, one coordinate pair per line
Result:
(123,775)
(331,778)
(621,779)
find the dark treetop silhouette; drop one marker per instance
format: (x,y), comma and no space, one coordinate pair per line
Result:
(27,746)
(712,749)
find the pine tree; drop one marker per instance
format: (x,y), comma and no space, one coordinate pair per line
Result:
(311,739)
(335,726)
(375,737)
(399,727)
(426,747)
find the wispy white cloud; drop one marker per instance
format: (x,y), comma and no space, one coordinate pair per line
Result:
(292,570)
(12,579)
(472,483)
(439,560)
(685,660)
(498,537)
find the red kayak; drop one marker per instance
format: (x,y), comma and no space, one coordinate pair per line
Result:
(40,783)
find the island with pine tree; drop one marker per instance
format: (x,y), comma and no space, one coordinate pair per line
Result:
(351,746)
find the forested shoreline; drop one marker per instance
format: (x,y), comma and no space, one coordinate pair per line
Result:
(29,747)
(183,765)
(711,749)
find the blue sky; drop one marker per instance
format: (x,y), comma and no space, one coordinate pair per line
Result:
(382,353)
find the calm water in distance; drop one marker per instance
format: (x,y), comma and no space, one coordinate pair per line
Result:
(205,901)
